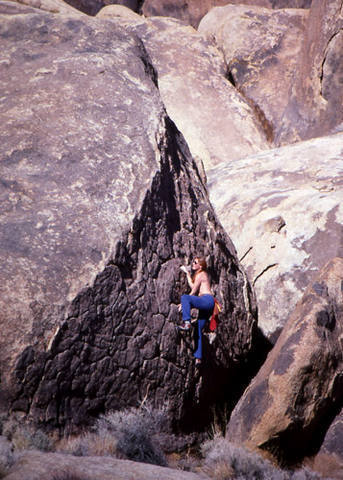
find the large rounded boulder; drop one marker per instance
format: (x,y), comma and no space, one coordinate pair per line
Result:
(192,11)
(101,204)
(283,210)
(314,107)
(329,459)
(198,97)
(290,404)
(261,47)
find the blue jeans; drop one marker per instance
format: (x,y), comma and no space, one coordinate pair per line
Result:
(205,305)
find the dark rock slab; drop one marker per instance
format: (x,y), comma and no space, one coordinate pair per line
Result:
(294,398)
(101,202)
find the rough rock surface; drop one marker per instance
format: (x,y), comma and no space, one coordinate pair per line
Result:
(92,7)
(52,6)
(192,11)
(101,202)
(333,442)
(290,404)
(261,49)
(329,460)
(189,12)
(7,457)
(49,161)
(126,14)
(283,210)
(198,98)
(315,104)
(36,466)
(287,3)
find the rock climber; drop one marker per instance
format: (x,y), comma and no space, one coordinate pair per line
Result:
(201,298)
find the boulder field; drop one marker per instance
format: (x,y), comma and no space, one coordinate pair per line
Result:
(188,11)
(198,97)
(129,144)
(296,49)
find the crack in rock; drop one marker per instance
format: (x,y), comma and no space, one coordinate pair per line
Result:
(264,271)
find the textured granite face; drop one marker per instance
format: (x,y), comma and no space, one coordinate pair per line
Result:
(192,11)
(216,121)
(333,439)
(300,386)
(101,203)
(67,190)
(283,211)
(315,103)
(261,48)
(329,460)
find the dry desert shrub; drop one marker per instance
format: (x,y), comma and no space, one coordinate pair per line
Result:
(26,437)
(7,456)
(89,444)
(136,431)
(187,462)
(225,461)
(222,471)
(130,434)
(306,474)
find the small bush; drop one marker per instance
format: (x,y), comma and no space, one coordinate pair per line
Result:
(224,461)
(89,444)
(26,437)
(305,474)
(187,462)
(6,456)
(130,434)
(136,430)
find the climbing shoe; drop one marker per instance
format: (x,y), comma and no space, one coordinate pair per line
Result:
(185,326)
